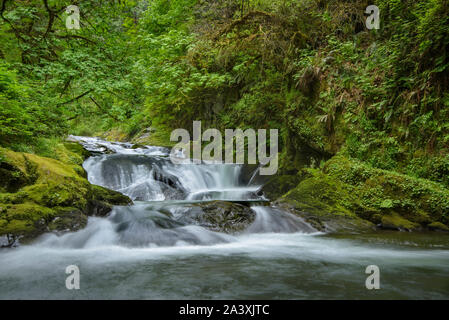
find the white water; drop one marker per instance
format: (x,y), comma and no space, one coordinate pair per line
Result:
(150,250)
(132,172)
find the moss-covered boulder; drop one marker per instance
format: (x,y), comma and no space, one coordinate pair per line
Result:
(349,188)
(102,200)
(324,203)
(49,195)
(438,226)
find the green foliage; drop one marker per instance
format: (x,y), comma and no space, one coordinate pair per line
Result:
(15,120)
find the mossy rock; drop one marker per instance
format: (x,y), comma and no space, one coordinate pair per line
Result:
(387,193)
(324,203)
(396,222)
(110,196)
(102,200)
(67,194)
(28,220)
(11,178)
(319,193)
(220,216)
(438,226)
(154,137)
(77,151)
(53,196)
(327,222)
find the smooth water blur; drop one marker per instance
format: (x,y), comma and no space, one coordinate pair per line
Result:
(156,250)
(251,266)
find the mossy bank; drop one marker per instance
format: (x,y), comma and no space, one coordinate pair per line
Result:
(39,194)
(349,194)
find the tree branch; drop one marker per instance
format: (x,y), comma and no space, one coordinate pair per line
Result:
(76,98)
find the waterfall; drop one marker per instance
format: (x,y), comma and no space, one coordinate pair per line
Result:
(148,174)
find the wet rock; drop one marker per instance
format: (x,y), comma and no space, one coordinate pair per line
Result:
(167,178)
(219,216)
(67,220)
(249,175)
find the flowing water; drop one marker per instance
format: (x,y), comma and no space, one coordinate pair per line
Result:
(154,249)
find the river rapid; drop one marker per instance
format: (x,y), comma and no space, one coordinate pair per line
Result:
(153,250)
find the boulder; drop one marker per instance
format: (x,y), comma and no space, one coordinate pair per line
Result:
(219,216)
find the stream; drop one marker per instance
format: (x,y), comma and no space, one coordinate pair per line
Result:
(157,249)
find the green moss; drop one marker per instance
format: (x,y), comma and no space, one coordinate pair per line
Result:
(69,193)
(26,219)
(386,192)
(319,193)
(348,187)
(155,137)
(56,196)
(109,196)
(279,185)
(438,226)
(395,221)
(71,153)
